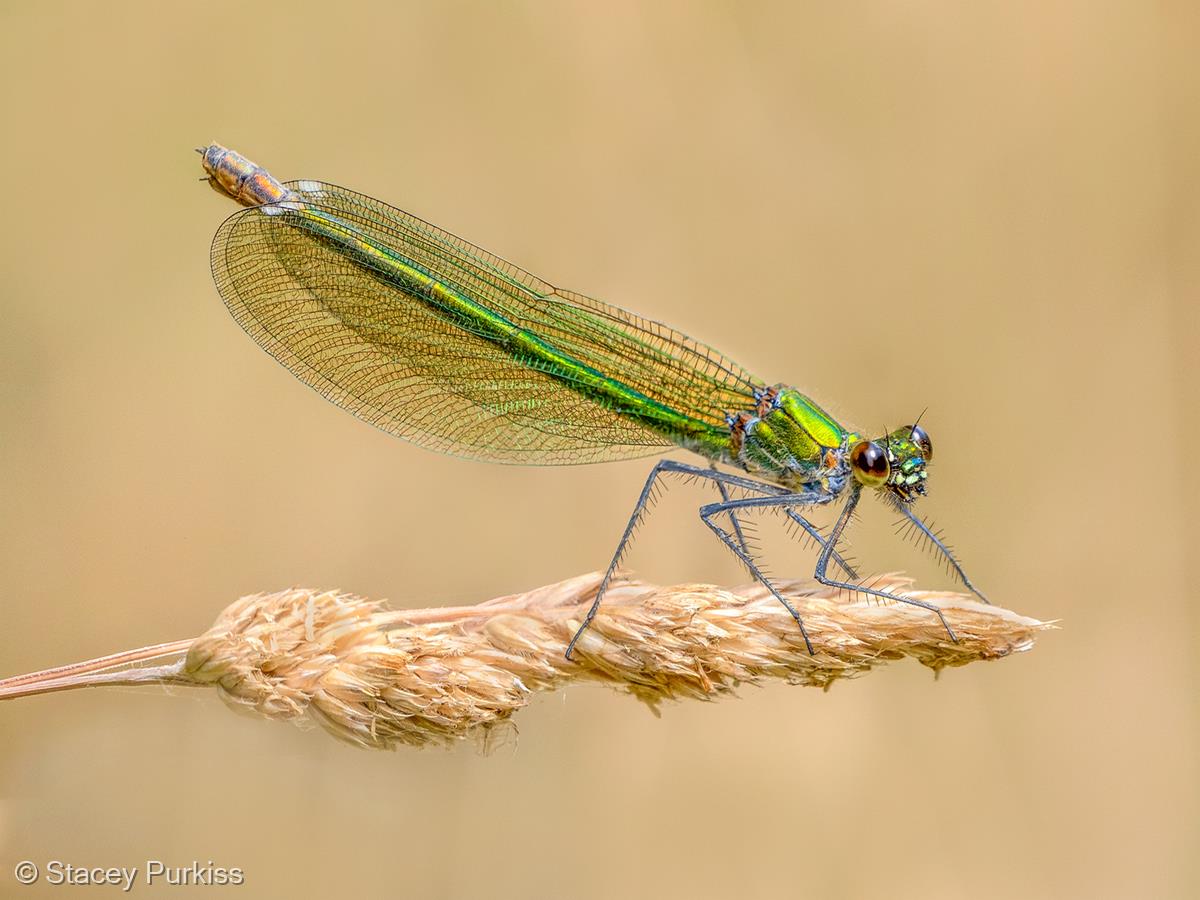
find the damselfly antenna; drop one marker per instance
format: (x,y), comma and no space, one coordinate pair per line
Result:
(913,432)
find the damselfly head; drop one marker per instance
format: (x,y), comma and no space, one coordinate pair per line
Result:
(895,462)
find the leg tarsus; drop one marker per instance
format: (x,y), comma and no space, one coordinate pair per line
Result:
(886,595)
(823,565)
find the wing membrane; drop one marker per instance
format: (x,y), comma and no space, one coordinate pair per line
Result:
(388,356)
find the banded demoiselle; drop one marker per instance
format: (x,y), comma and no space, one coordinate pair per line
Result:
(439,342)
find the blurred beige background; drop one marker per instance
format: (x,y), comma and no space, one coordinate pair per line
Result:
(990,211)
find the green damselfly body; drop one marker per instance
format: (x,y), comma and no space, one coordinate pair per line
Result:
(439,342)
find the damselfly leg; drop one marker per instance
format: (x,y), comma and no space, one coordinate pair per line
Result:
(737,526)
(940,546)
(813,497)
(852,495)
(735,540)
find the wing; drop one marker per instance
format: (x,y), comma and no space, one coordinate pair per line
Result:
(386,354)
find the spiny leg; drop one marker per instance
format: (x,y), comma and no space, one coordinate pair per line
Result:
(946,552)
(823,565)
(815,533)
(810,497)
(722,480)
(737,526)
(809,528)
(714,509)
(663,466)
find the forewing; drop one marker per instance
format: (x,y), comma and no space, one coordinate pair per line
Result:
(652,358)
(397,362)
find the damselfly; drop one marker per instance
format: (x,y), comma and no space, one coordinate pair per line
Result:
(441,343)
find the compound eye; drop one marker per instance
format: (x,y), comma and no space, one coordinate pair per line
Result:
(920,437)
(870,464)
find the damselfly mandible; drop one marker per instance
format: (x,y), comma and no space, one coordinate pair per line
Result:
(441,343)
